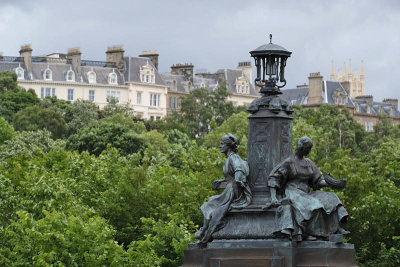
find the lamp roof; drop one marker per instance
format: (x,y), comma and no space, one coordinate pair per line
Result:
(270,49)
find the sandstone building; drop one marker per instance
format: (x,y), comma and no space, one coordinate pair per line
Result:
(181,79)
(346,92)
(133,80)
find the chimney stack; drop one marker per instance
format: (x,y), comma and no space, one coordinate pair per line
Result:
(74,54)
(115,57)
(183,69)
(26,54)
(152,55)
(315,88)
(393,102)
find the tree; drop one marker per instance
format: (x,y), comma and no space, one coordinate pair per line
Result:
(29,143)
(121,133)
(198,109)
(6,131)
(8,81)
(79,114)
(13,101)
(36,118)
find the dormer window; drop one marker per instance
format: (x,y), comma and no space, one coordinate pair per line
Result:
(368,109)
(70,76)
(91,77)
(112,78)
(147,73)
(242,85)
(47,74)
(20,73)
(358,107)
(174,85)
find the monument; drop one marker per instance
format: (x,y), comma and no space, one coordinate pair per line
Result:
(266,214)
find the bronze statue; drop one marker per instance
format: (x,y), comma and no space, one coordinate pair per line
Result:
(236,194)
(302,213)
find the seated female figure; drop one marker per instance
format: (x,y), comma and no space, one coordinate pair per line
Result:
(303,213)
(236,194)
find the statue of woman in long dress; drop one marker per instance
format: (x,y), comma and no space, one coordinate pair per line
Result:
(236,194)
(302,213)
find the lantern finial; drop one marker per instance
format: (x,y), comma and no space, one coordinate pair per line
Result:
(270,38)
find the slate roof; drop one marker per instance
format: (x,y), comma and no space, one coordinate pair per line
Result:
(296,96)
(180,81)
(132,73)
(299,96)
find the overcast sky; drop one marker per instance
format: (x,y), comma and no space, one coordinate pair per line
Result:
(218,34)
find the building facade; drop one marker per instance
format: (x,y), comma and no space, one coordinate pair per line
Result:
(182,79)
(130,80)
(362,107)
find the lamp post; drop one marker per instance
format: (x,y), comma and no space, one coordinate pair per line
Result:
(270,60)
(270,130)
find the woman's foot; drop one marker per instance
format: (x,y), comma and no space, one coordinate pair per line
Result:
(310,238)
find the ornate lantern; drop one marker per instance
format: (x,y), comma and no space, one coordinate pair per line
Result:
(270,60)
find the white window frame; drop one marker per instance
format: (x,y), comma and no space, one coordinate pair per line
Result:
(72,78)
(70,95)
(112,78)
(114,93)
(155,100)
(91,81)
(21,71)
(92,94)
(139,98)
(50,76)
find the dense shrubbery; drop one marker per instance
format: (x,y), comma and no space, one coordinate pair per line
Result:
(113,191)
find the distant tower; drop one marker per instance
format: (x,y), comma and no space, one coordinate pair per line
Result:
(350,71)
(362,78)
(332,77)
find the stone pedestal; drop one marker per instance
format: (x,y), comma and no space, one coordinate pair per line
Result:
(277,253)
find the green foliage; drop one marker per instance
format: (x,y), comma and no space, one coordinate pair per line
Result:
(237,125)
(36,118)
(12,101)
(29,144)
(201,106)
(6,131)
(8,81)
(115,130)
(79,114)
(164,242)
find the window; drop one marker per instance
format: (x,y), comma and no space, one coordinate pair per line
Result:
(91,77)
(70,76)
(158,117)
(112,78)
(155,100)
(370,126)
(47,74)
(47,92)
(139,98)
(91,95)
(20,73)
(71,94)
(114,94)
(147,73)
(173,102)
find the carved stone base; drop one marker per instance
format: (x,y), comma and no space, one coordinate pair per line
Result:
(270,253)
(249,223)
